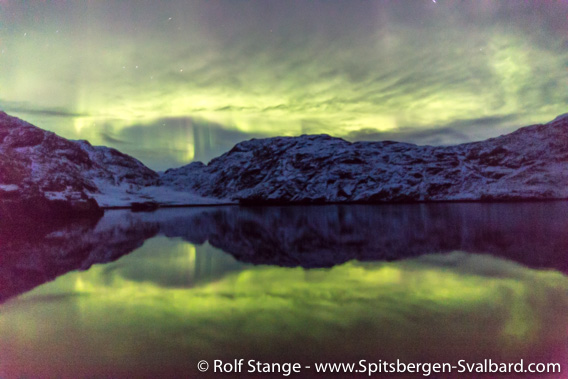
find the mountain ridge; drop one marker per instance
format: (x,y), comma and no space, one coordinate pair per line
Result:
(530,163)
(43,173)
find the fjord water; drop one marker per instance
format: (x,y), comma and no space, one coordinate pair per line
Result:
(151,294)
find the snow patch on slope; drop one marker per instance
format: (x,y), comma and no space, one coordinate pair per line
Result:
(9,187)
(122,196)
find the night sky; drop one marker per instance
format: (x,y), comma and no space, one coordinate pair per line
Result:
(173,81)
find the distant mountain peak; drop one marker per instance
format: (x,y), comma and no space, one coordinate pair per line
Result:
(531,163)
(528,164)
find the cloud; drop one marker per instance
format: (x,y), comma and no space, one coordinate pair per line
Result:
(113,140)
(459,131)
(356,69)
(29,109)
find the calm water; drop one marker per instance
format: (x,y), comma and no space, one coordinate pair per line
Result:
(151,294)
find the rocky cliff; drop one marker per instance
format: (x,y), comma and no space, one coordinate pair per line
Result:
(42,170)
(529,164)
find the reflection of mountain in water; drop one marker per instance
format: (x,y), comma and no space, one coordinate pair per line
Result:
(531,233)
(34,254)
(316,236)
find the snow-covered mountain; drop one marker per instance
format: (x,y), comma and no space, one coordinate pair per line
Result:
(531,163)
(39,169)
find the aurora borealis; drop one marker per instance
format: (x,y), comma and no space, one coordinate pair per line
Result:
(170,82)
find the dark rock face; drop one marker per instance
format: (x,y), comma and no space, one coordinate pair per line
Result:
(531,163)
(42,172)
(26,207)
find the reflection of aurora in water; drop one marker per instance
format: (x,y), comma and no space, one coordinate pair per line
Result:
(439,308)
(532,234)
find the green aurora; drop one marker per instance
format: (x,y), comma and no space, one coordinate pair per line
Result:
(185,80)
